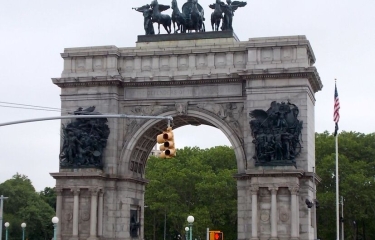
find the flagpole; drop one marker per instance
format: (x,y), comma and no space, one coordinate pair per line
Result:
(337,191)
(336,118)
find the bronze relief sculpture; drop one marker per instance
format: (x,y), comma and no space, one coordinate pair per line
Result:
(84,141)
(276,134)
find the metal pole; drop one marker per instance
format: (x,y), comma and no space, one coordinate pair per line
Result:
(6,233)
(1,215)
(23,233)
(191,231)
(342,215)
(54,231)
(86,116)
(314,215)
(337,193)
(165,223)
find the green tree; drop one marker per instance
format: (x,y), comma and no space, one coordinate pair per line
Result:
(356,176)
(196,182)
(49,196)
(25,205)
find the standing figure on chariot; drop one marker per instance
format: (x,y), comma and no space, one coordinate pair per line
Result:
(229,10)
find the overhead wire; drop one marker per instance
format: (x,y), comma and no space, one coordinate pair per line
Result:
(32,107)
(38,108)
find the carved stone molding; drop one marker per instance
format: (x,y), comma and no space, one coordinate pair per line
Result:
(85,215)
(254,190)
(273,190)
(101,193)
(75,190)
(181,108)
(58,191)
(283,215)
(94,191)
(293,190)
(265,216)
(231,113)
(68,216)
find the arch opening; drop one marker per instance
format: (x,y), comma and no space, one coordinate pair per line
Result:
(134,156)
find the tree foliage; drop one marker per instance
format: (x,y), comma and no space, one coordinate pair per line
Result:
(24,204)
(356,184)
(197,182)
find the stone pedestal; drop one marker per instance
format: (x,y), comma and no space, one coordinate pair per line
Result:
(208,78)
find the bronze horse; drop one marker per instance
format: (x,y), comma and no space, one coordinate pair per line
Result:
(197,18)
(159,18)
(216,16)
(178,18)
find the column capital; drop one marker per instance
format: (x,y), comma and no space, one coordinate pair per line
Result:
(75,190)
(58,191)
(94,191)
(294,189)
(254,189)
(273,189)
(101,192)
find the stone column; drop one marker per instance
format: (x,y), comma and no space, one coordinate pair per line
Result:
(273,213)
(75,212)
(58,211)
(254,212)
(100,213)
(294,213)
(93,214)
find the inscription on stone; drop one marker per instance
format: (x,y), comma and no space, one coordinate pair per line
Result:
(215,90)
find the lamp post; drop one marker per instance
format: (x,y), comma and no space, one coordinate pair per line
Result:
(23,225)
(190,220)
(2,198)
(6,230)
(186,233)
(55,220)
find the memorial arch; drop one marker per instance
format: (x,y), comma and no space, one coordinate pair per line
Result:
(199,79)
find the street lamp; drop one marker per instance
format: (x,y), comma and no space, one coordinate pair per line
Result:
(186,233)
(23,225)
(6,230)
(190,220)
(55,220)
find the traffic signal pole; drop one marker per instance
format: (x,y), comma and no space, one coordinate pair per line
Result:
(88,116)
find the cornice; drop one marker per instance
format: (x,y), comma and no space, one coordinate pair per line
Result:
(100,176)
(310,73)
(298,173)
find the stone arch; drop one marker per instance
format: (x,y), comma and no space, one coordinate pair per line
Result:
(135,154)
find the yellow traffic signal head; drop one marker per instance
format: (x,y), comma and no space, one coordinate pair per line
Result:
(167,141)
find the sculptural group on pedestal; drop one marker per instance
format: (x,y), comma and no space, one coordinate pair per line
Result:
(84,141)
(277,134)
(190,19)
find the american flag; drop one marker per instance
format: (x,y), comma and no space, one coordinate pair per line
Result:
(336,111)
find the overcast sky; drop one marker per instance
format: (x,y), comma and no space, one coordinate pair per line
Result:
(34,33)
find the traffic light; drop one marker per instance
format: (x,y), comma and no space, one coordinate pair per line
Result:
(216,235)
(167,143)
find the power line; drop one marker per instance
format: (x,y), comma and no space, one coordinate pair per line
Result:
(50,110)
(38,108)
(19,104)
